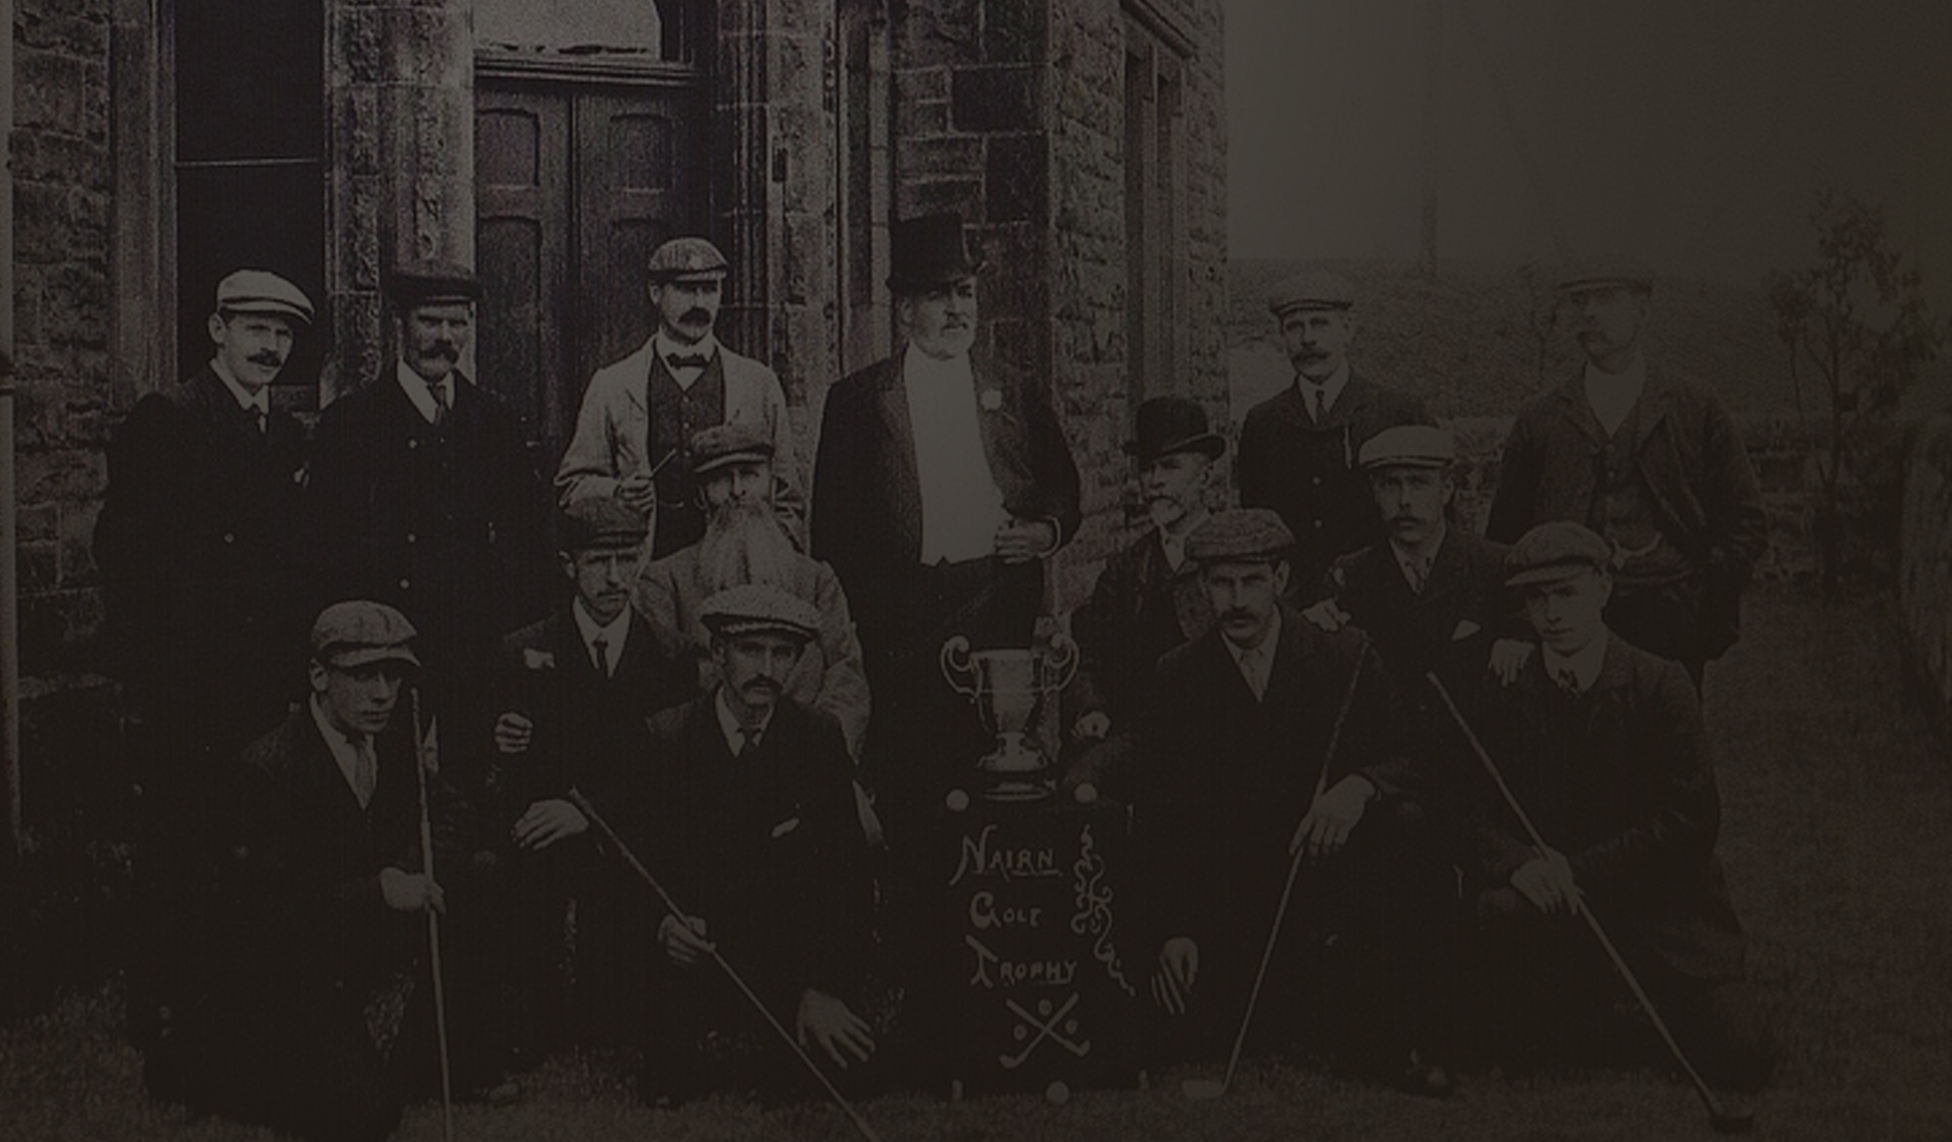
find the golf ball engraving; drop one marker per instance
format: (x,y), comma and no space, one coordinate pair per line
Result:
(957,800)
(1057,1093)
(1086,793)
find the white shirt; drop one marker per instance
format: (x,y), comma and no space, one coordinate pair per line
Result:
(961,505)
(1257,665)
(614,633)
(1585,663)
(728,724)
(344,750)
(257,403)
(1416,564)
(1329,389)
(1612,395)
(666,346)
(421,392)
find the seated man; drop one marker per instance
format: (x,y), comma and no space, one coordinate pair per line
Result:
(1603,746)
(1148,598)
(571,693)
(1233,747)
(747,817)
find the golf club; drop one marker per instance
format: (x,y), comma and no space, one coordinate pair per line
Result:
(630,858)
(1201,1090)
(424,757)
(1721,1118)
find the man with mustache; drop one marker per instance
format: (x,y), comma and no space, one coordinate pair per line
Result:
(1652,463)
(1298,448)
(747,817)
(200,545)
(633,433)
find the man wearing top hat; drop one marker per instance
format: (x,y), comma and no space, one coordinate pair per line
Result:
(200,545)
(1298,448)
(1602,745)
(638,415)
(1648,460)
(1148,598)
(943,480)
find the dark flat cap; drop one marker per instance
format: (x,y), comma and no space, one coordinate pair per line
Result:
(1555,551)
(1605,270)
(734,442)
(687,257)
(1173,424)
(431,283)
(261,291)
(1316,289)
(760,608)
(1240,535)
(359,631)
(1409,446)
(605,522)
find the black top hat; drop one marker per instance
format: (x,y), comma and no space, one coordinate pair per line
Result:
(1173,424)
(927,253)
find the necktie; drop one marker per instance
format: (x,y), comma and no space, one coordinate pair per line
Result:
(365,770)
(442,401)
(1321,403)
(261,416)
(600,646)
(1254,665)
(678,361)
(1419,574)
(748,742)
(1568,680)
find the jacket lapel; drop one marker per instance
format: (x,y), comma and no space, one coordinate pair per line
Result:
(1656,401)
(1573,405)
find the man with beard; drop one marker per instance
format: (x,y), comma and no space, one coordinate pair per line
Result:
(1649,461)
(732,470)
(634,430)
(1298,448)
(1148,598)
(200,545)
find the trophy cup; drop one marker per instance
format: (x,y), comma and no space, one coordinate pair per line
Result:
(1009,687)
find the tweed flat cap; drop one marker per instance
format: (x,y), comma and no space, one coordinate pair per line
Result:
(359,631)
(734,442)
(760,608)
(1243,534)
(687,257)
(1605,270)
(1554,551)
(602,522)
(261,291)
(1316,289)
(431,283)
(1409,446)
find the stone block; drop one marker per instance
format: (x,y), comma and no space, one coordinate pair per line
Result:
(997,98)
(914,84)
(926,118)
(1014,30)
(70,35)
(60,476)
(940,156)
(933,196)
(938,31)
(39,566)
(43,157)
(75,305)
(1017,176)
(37,523)
(48,91)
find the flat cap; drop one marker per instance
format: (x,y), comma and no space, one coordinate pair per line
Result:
(734,442)
(1409,446)
(1316,289)
(261,291)
(431,283)
(1554,551)
(602,522)
(760,608)
(688,257)
(1240,535)
(359,631)
(1605,270)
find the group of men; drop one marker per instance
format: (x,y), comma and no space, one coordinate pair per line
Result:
(360,705)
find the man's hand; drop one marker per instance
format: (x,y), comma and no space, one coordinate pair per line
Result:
(1333,816)
(1091,727)
(1546,881)
(1022,540)
(513,733)
(638,490)
(684,943)
(1328,615)
(1508,657)
(547,822)
(827,1021)
(1179,968)
(410,891)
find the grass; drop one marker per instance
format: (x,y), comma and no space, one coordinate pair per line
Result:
(1838,841)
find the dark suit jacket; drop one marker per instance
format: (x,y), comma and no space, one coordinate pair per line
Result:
(1619,780)
(1693,467)
(1139,609)
(867,500)
(200,542)
(444,524)
(1307,472)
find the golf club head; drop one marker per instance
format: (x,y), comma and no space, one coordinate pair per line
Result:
(1202,1090)
(1732,1122)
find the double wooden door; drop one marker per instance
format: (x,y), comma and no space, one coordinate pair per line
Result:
(575,185)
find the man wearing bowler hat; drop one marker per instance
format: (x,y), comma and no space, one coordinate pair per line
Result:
(634,431)
(1148,598)
(942,482)
(1298,448)
(1648,460)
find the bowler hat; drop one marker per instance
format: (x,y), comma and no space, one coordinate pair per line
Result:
(605,522)
(1241,535)
(1408,446)
(1314,289)
(760,608)
(1555,551)
(928,252)
(261,291)
(431,282)
(687,257)
(359,631)
(1173,424)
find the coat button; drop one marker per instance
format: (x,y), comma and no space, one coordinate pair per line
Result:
(405,584)
(1318,523)
(410,537)
(230,537)
(1318,481)
(412,443)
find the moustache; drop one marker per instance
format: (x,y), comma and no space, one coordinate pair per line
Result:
(762,686)
(444,349)
(1237,615)
(696,316)
(268,360)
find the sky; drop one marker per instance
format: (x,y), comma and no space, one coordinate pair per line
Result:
(1693,133)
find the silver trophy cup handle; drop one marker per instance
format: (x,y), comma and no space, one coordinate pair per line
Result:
(1061,664)
(956,665)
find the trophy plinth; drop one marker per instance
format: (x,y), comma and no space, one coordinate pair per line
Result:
(1010,687)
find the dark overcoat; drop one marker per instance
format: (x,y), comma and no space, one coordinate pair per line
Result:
(1139,609)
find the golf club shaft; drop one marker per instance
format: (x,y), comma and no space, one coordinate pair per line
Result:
(1585,911)
(679,914)
(422,749)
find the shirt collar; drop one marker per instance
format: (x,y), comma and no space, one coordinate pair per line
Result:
(1422,559)
(1266,647)
(1584,663)
(254,402)
(1173,540)
(421,393)
(614,632)
(1331,389)
(338,743)
(665,345)
(728,723)
(919,366)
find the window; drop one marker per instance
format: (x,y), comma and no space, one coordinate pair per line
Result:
(1155,228)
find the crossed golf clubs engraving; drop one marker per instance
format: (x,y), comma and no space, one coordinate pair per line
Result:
(1046,1029)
